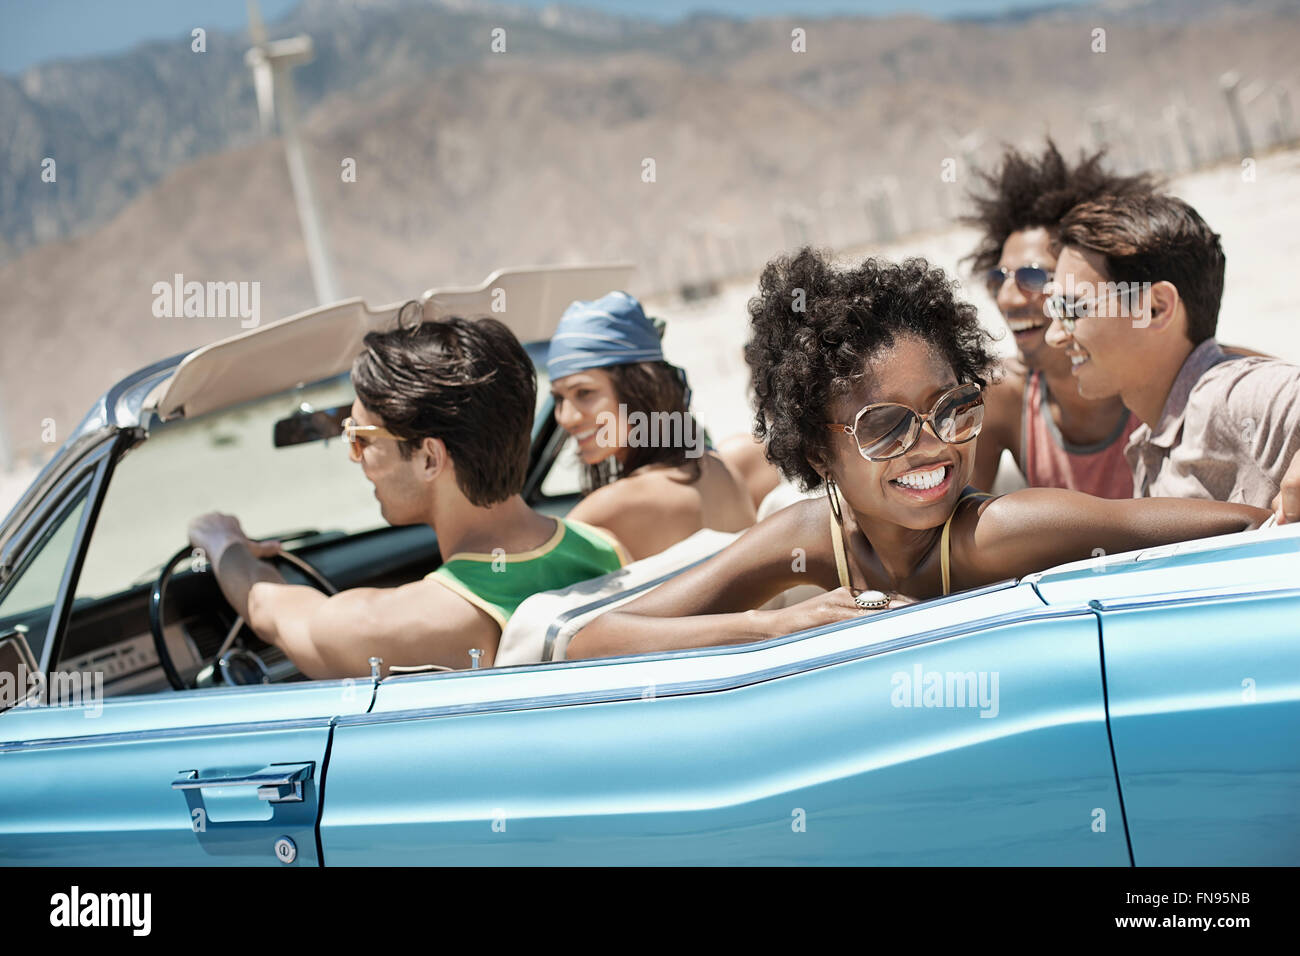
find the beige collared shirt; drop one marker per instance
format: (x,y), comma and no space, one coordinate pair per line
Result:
(1229,429)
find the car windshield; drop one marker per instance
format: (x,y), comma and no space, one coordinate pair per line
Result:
(227,462)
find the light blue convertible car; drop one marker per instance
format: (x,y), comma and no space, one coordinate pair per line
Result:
(1134,709)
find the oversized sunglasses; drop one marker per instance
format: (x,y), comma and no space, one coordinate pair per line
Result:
(1031,280)
(886,430)
(352,433)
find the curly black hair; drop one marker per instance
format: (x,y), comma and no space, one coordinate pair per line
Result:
(815,325)
(1027,192)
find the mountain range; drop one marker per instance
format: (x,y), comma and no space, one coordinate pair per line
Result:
(762,133)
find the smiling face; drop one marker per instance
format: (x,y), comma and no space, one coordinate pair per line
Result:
(582,402)
(402,493)
(1024,311)
(920,488)
(1107,353)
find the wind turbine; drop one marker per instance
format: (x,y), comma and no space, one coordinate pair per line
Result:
(271,62)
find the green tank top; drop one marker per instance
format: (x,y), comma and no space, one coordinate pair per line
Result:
(499,583)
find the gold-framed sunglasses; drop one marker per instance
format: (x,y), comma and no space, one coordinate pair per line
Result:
(352,436)
(886,430)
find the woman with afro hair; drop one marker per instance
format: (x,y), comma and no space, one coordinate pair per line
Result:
(869,385)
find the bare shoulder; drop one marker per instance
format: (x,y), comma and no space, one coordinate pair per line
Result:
(806,525)
(646,512)
(1023,531)
(605,503)
(651,493)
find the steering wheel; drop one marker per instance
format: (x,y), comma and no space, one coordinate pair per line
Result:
(228,666)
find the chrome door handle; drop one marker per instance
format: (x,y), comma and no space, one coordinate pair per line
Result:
(276,783)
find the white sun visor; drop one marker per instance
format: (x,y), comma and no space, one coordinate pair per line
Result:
(322,342)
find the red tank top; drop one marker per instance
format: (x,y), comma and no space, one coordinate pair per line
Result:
(1052,462)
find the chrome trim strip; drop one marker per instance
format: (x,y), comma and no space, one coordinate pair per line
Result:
(72,569)
(36,532)
(163,733)
(564,617)
(731,682)
(1195,597)
(276,783)
(681,688)
(53,498)
(117,409)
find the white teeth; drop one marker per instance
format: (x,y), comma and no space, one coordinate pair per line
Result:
(1023,325)
(583,436)
(923,480)
(1077,360)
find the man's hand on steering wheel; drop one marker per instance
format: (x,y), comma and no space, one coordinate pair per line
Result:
(214,532)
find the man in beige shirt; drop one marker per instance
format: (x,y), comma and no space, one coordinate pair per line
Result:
(1138,283)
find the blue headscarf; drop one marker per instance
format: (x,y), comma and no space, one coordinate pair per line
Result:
(612,330)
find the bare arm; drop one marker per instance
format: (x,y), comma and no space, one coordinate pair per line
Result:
(329,637)
(713,603)
(418,623)
(1037,528)
(745,457)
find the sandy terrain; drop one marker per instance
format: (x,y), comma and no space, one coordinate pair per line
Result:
(1256,219)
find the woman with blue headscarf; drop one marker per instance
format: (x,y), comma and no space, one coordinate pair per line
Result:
(650,478)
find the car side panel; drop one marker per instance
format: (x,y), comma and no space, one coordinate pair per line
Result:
(1205,713)
(92,785)
(818,766)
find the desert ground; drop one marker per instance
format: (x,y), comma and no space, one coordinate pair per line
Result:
(1254,213)
(1255,218)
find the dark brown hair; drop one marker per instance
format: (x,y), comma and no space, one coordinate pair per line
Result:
(646,387)
(1028,192)
(469,383)
(1155,238)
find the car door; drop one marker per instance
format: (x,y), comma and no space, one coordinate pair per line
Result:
(969,730)
(1202,650)
(214,777)
(195,777)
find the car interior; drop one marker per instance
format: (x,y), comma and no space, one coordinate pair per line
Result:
(112,630)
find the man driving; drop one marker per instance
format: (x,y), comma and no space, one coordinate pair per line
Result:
(441,426)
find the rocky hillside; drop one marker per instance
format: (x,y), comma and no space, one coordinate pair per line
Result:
(467,160)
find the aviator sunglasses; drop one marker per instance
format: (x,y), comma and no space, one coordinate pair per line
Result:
(886,430)
(1031,280)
